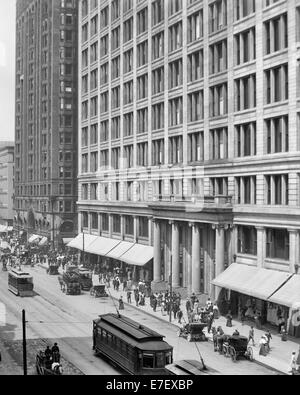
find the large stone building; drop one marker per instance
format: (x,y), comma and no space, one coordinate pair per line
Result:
(189,145)
(6,185)
(46,118)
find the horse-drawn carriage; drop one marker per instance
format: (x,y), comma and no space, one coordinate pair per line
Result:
(85,278)
(48,367)
(235,346)
(53,270)
(98,291)
(193,331)
(70,284)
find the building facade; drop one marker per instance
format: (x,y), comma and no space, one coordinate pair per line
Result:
(6,184)
(46,118)
(189,135)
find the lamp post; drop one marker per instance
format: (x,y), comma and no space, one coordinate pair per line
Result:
(171,290)
(83,254)
(24,343)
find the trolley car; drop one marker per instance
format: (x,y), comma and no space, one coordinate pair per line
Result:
(20,283)
(136,349)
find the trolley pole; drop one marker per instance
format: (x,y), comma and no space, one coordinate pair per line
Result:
(24,343)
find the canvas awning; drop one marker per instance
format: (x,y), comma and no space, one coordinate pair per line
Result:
(138,255)
(10,228)
(82,241)
(120,250)
(33,239)
(250,280)
(102,246)
(67,240)
(43,242)
(3,229)
(4,245)
(289,293)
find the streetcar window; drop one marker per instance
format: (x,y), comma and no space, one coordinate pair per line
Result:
(148,361)
(109,338)
(169,359)
(160,360)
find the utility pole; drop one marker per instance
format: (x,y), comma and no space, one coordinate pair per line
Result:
(171,289)
(83,254)
(24,343)
(52,200)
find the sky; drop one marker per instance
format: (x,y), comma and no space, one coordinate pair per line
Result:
(7,69)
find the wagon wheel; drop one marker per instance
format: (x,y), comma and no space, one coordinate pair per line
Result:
(232,354)
(189,337)
(249,354)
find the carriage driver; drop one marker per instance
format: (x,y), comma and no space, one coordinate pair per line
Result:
(55,348)
(55,353)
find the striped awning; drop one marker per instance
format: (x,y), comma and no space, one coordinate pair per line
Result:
(43,242)
(33,239)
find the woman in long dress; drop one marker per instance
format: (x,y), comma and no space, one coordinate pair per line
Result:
(229,320)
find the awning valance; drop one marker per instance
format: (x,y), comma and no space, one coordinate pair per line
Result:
(82,241)
(119,250)
(252,281)
(289,293)
(138,255)
(102,246)
(43,242)
(33,239)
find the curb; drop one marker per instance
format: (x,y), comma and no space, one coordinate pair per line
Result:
(209,339)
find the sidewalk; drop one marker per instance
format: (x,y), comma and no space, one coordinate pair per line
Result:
(278,358)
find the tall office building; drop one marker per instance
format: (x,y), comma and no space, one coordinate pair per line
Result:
(189,145)
(6,185)
(46,118)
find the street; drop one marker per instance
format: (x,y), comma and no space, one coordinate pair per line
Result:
(53,316)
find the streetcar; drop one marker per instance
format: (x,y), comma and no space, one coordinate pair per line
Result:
(134,348)
(20,283)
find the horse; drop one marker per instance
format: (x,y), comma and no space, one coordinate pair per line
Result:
(61,283)
(57,368)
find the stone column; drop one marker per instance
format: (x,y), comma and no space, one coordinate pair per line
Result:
(157,253)
(220,254)
(175,255)
(196,267)
(294,249)
(261,246)
(135,229)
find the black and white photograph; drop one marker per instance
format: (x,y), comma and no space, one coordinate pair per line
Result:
(149,190)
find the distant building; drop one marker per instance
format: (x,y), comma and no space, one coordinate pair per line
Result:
(6,184)
(46,118)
